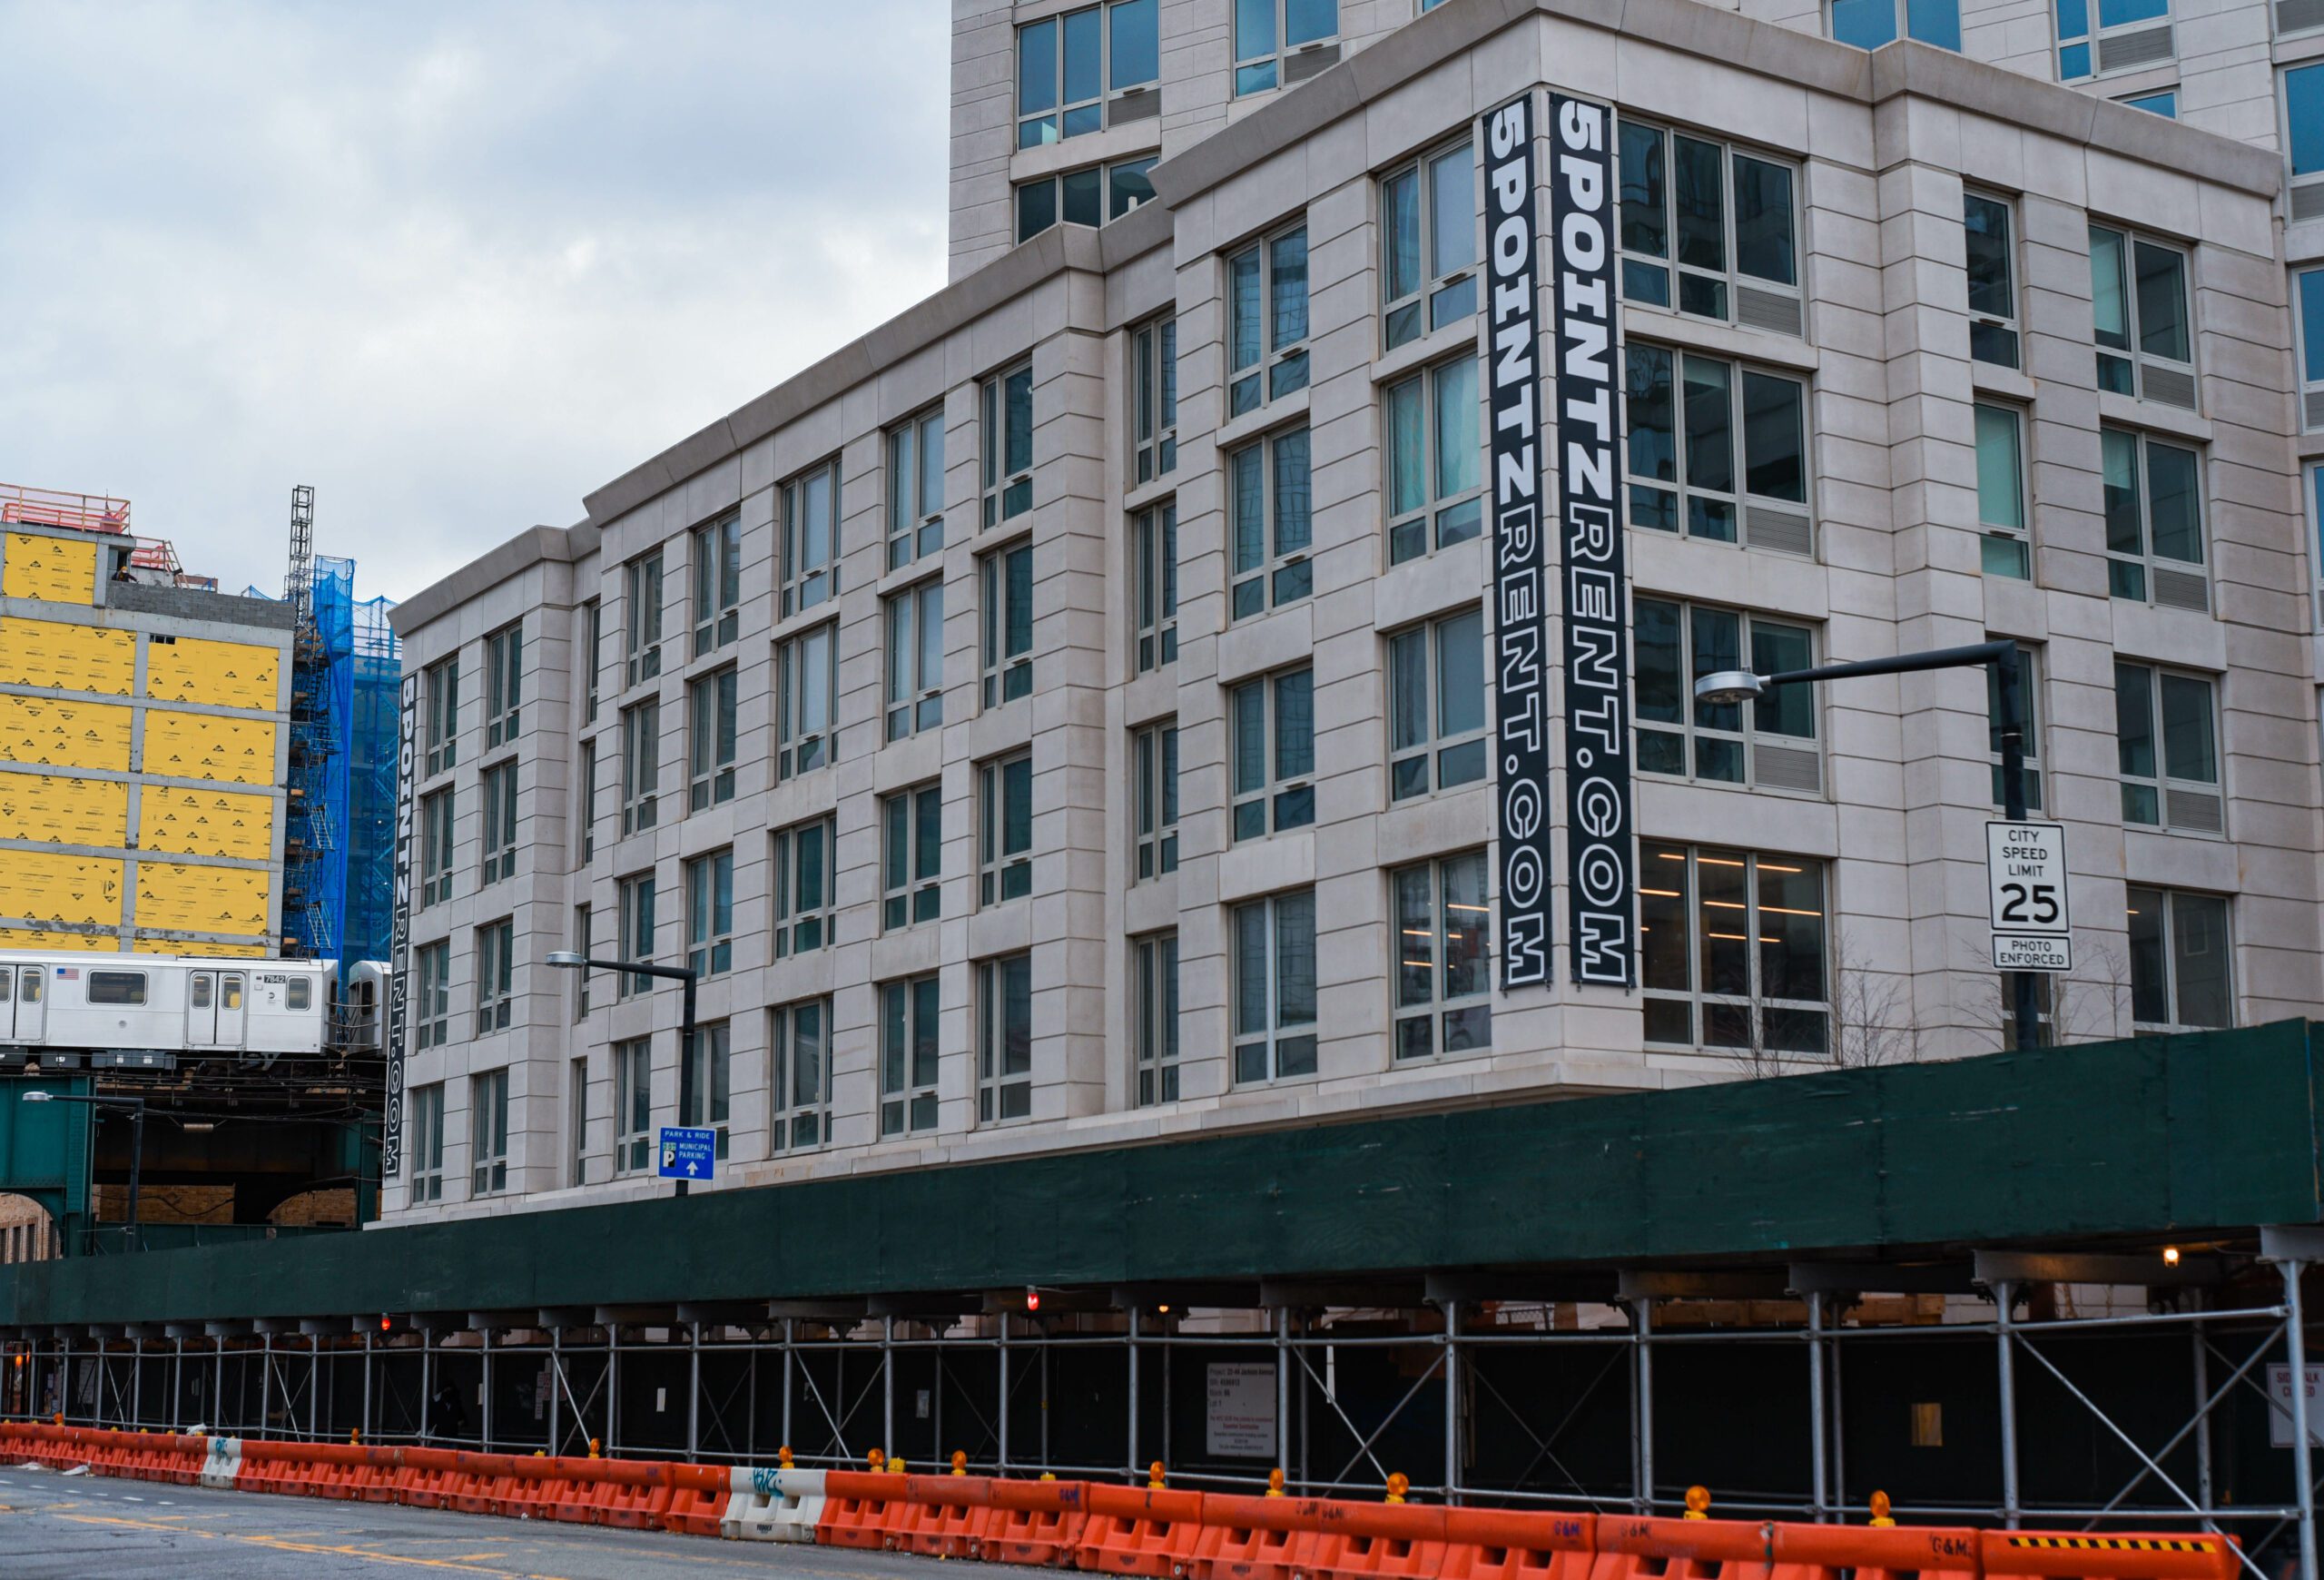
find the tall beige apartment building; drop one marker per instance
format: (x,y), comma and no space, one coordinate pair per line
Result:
(1078,711)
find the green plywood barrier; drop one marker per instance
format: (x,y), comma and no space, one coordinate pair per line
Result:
(45,1150)
(2207,1131)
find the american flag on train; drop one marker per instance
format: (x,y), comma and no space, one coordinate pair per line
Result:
(68,973)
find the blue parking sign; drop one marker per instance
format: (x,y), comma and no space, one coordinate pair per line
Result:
(688,1153)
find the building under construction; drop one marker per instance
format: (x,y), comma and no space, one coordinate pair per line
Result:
(342,769)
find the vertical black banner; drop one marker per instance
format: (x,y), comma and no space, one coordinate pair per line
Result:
(399,929)
(1600,854)
(1520,611)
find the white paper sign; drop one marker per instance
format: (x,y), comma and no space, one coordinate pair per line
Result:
(1238,1421)
(2279,1401)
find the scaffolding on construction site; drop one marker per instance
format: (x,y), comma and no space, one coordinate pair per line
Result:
(344,673)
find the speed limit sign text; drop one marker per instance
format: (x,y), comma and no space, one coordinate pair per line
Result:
(2026,879)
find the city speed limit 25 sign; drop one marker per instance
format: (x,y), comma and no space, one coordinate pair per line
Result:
(2026,877)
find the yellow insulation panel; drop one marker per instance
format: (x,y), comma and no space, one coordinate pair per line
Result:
(51,733)
(56,657)
(199,745)
(222,674)
(61,570)
(206,951)
(52,886)
(62,811)
(46,940)
(181,898)
(213,823)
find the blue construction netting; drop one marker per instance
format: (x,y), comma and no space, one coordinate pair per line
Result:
(343,749)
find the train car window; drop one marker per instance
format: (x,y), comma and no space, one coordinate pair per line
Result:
(201,990)
(7,978)
(116,987)
(230,991)
(31,993)
(298,994)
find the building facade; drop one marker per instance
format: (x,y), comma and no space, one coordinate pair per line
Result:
(1064,716)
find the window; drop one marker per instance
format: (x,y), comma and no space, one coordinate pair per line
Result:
(1005,829)
(642,589)
(809,538)
(913,864)
(1987,227)
(803,888)
(710,731)
(1274,987)
(713,1080)
(585,770)
(2169,778)
(593,638)
(806,679)
(1266,321)
(634,898)
(1689,416)
(1154,760)
(1720,218)
(1428,244)
(916,487)
(434,1011)
(710,915)
(2164,104)
(2308,302)
(1869,24)
(1443,957)
(2154,520)
(717,561)
(1274,721)
(1008,441)
(1278,43)
(908,1011)
(1270,507)
(2138,296)
(498,784)
(1075,72)
(298,993)
(2181,978)
(1004,1039)
(1732,950)
(1154,552)
(641,766)
(632,1105)
(496,950)
(488,1132)
(2001,492)
(584,928)
(2029,691)
(1676,645)
(1437,706)
(576,1118)
(436,847)
(117,987)
(427,1143)
(504,684)
(1436,460)
(1005,580)
(2304,138)
(2122,39)
(1154,965)
(443,715)
(1154,359)
(915,622)
(799,1055)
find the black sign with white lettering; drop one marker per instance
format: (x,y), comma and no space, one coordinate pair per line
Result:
(1521,670)
(1600,858)
(399,929)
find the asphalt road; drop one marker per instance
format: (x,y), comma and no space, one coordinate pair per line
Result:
(91,1528)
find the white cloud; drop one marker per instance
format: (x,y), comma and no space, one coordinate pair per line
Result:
(453,265)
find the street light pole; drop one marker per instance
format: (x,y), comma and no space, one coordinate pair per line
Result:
(565,960)
(2001,659)
(134,1107)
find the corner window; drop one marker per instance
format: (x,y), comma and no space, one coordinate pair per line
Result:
(714,1082)
(1708,231)
(799,1059)
(432,1013)
(1004,1039)
(1273,744)
(1990,236)
(803,888)
(1443,957)
(496,949)
(1005,829)
(427,1116)
(2181,972)
(2154,520)
(2139,304)
(1274,968)
(908,1055)
(1266,321)
(1006,402)
(1768,744)
(504,684)
(717,560)
(1154,365)
(1270,519)
(709,743)
(1005,583)
(914,619)
(632,1105)
(2029,685)
(1153,759)
(436,847)
(1154,555)
(1716,450)
(443,689)
(641,766)
(1436,460)
(912,887)
(1278,43)
(809,563)
(2001,492)
(1096,196)
(634,896)
(2308,311)
(488,1132)
(1732,950)
(710,913)
(916,487)
(498,835)
(1437,706)
(641,592)
(807,699)
(1428,245)
(2127,36)
(1080,72)
(2166,738)
(1154,967)
(1869,24)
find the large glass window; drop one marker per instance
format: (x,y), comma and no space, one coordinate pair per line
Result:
(1005,829)
(592,655)
(1074,70)
(443,689)
(2001,492)
(642,596)
(1437,706)
(908,1055)
(498,787)
(1436,460)
(1278,43)
(1154,365)
(504,684)
(800,1067)
(2139,303)
(1443,956)
(802,887)
(1989,231)
(641,766)
(1719,222)
(2180,972)
(809,563)
(710,913)
(1266,321)
(634,899)
(1154,758)
(1768,744)
(2308,312)
(1274,724)
(912,868)
(1005,586)
(1004,1039)
(1274,942)
(432,1014)
(632,1105)
(436,847)
(807,683)
(717,564)
(2122,41)
(1270,506)
(1428,244)
(714,1082)
(487,1133)
(495,967)
(585,772)
(1716,450)
(2166,736)
(1869,24)
(1007,402)
(584,928)
(427,1116)
(710,730)
(916,487)
(1096,195)
(1732,952)
(1154,553)
(2154,519)
(914,619)
(1154,965)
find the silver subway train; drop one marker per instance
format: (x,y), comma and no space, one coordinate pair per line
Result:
(68,1004)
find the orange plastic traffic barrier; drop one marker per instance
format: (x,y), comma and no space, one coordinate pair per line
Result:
(1035,1522)
(1256,1538)
(698,1496)
(1485,1543)
(1146,1530)
(855,1509)
(1874,1553)
(1363,1539)
(1633,1546)
(2112,1555)
(425,1478)
(633,1494)
(956,1513)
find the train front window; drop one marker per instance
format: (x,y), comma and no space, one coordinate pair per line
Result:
(116,987)
(298,994)
(230,991)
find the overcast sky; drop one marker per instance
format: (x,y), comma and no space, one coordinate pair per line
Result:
(453,265)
